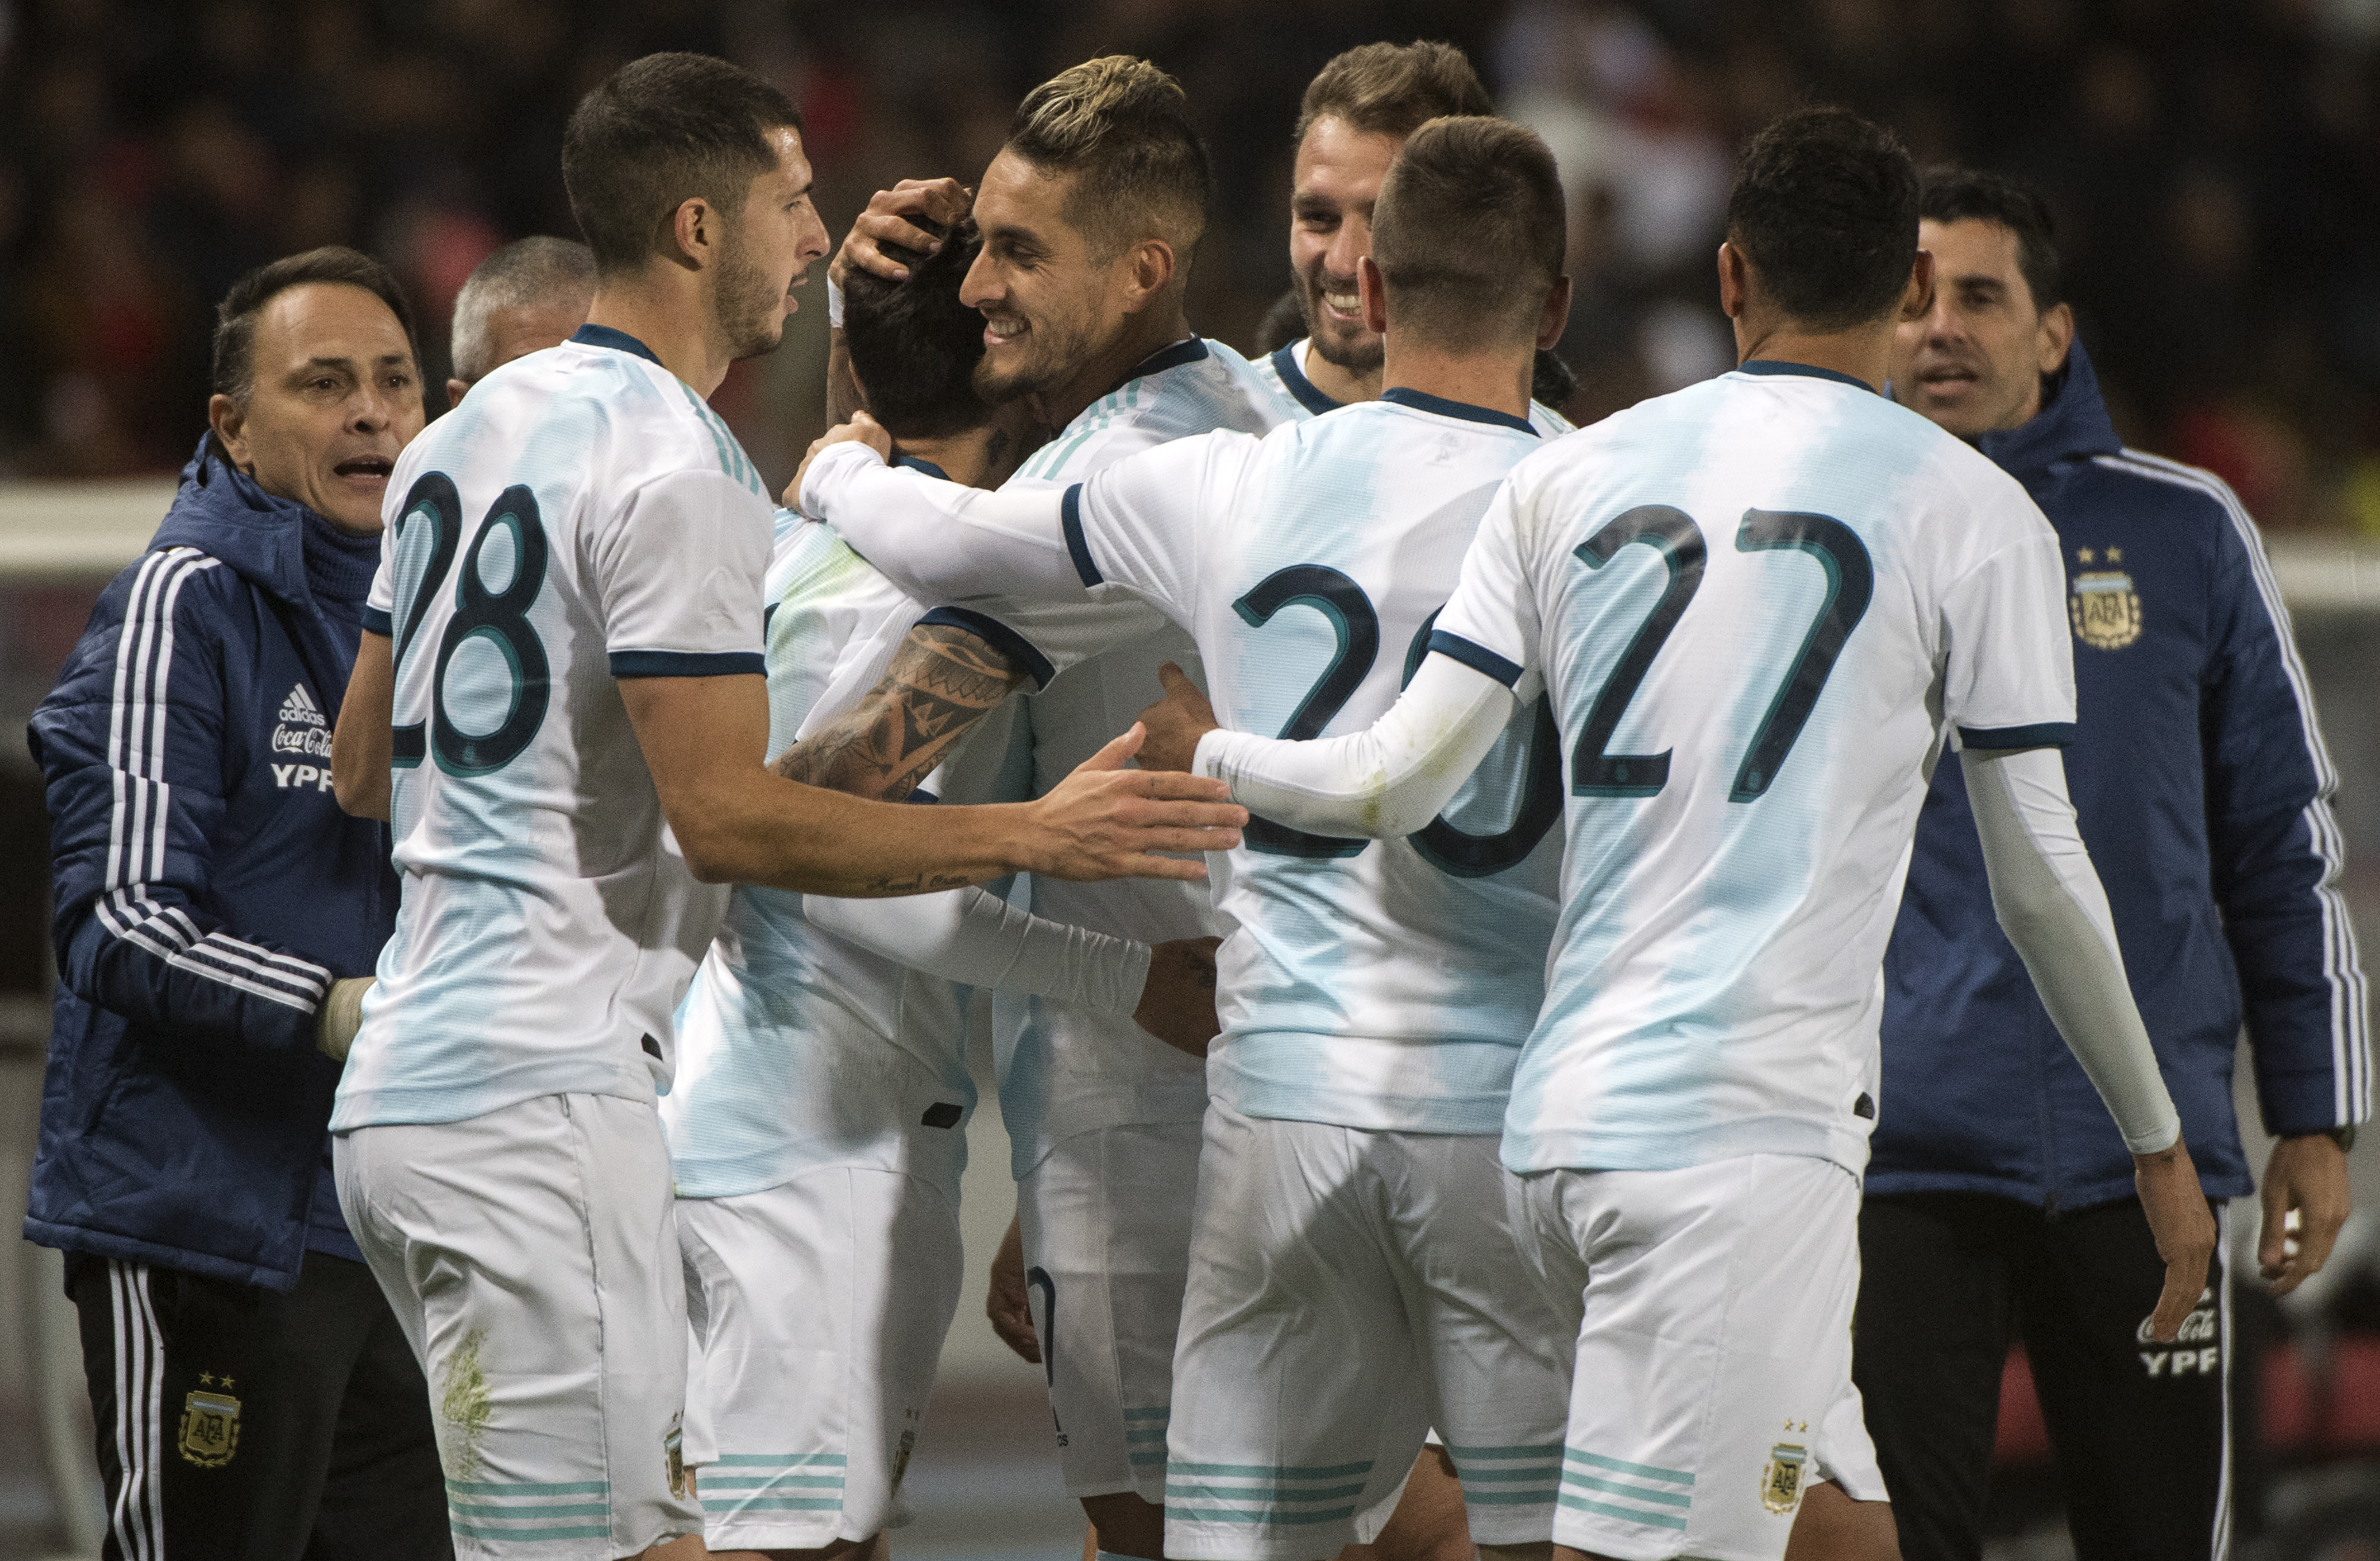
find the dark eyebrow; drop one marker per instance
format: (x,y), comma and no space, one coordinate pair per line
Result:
(1979,279)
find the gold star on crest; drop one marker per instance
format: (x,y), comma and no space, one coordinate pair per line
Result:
(206,1379)
(2084,553)
(2115,556)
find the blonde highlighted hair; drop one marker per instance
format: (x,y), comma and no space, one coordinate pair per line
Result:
(1121,127)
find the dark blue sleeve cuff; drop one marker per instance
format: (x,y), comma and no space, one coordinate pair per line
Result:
(689,664)
(2048,733)
(1018,650)
(378,622)
(1478,658)
(1070,510)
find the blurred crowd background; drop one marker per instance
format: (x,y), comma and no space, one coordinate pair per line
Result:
(2215,165)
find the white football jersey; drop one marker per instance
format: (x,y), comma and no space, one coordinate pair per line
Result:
(1284,370)
(581,516)
(1373,985)
(1756,604)
(1064,1070)
(791,1041)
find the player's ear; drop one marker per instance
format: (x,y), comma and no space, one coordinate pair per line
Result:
(229,419)
(1149,273)
(1555,318)
(1374,293)
(693,241)
(1734,281)
(1918,301)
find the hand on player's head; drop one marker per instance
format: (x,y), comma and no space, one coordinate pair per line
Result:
(885,221)
(1175,722)
(861,430)
(1104,821)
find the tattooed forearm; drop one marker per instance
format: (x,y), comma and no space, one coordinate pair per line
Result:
(942,682)
(924,883)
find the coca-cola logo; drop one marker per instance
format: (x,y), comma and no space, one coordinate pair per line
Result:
(311,740)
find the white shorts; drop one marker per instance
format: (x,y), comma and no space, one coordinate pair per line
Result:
(530,1256)
(817,1310)
(1348,1290)
(1714,1308)
(1106,1218)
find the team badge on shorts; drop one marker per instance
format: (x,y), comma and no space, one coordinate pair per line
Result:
(674,1451)
(2105,609)
(210,1426)
(1780,1483)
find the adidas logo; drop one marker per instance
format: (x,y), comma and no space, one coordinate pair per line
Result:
(299,708)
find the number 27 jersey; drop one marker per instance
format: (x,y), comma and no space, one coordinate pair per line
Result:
(582,517)
(1755,604)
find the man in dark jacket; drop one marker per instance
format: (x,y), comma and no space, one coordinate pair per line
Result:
(2000,1201)
(215,911)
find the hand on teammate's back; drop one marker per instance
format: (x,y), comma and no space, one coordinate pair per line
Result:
(1175,722)
(886,222)
(2184,1229)
(861,430)
(1177,1005)
(1104,821)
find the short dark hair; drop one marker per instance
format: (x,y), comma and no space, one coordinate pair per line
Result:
(657,132)
(1955,194)
(527,271)
(1122,128)
(1825,209)
(913,344)
(1470,230)
(1393,89)
(235,345)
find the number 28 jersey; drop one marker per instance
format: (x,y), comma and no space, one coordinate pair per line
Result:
(1755,604)
(581,516)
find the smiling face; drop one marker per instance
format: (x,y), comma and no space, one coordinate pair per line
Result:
(766,251)
(1048,304)
(334,397)
(1337,181)
(1974,363)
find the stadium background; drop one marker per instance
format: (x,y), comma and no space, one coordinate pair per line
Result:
(2215,165)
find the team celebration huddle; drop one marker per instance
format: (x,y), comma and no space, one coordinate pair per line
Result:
(1503,941)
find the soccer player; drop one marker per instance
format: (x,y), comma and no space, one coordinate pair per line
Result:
(567,627)
(818,1120)
(527,296)
(1758,605)
(1357,112)
(1089,216)
(1353,1280)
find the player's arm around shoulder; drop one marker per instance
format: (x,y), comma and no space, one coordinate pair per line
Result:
(735,822)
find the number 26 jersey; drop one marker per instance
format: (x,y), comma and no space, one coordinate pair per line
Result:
(1756,604)
(580,517)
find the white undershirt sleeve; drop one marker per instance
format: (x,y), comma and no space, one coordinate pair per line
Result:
(944,541)
(1384,782)
(978,938)
(2053,909)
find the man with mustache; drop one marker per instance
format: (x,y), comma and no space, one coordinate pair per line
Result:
(2202,791)
(253,1391)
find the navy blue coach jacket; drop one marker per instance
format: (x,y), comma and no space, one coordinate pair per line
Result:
(208,891)
(2201,787)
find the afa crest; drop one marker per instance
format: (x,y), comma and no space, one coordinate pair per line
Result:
(2105,609)
(209,1429)
(1780,1483)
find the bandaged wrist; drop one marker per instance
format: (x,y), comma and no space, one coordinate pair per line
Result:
(833,305)
(341,1016)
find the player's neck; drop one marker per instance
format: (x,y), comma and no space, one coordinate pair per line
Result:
(965,459)
(1496,379)
(1863,352)
(670,316)
(1345,386)
(1144,335)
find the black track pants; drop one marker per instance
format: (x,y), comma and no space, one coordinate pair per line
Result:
(235,1422)
(2141,1430)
